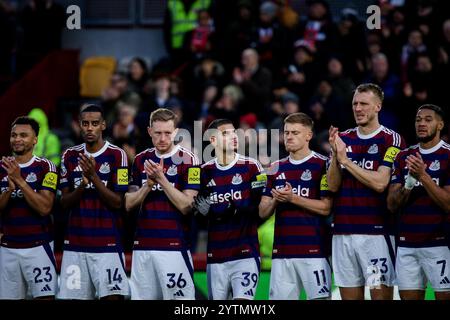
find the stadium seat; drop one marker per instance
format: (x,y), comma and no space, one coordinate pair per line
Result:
(95,74)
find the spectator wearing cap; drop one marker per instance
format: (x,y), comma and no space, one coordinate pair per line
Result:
(255,82)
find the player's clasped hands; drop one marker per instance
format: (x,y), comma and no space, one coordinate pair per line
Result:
(416,165)
(12,168)
(87,165)
(283,195)
(154,170)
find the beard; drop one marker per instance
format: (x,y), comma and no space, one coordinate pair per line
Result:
(427,138)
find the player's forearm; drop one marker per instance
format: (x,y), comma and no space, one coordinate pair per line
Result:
(397,197)
(71,199)
(372,179)
(321,207)
(267,207)
(38,202)
(439,195)
(134,199)
(111,199)
(334,175)
(180,200)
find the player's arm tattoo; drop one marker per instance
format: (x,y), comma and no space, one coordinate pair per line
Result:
(397,197)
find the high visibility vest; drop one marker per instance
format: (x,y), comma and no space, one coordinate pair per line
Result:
(183,22)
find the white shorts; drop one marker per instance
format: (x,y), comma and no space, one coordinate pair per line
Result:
(415,266)
(157,275)
(363,260)
(29,271)
(289,276)
(86,276)
(237,279)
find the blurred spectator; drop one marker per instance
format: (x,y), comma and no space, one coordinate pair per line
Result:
(118,93)
(207,71)
(209,96)
(342,88)
(124,131)
(48,145)
(42,23)
(200,41)
(255,82)
(387,80)
(351,39)
(302,74)
(228,105)
(138,77)
(318,29)
(7,36)
(414,46)
(324,108)
(180,18)
(239,33)
(271,37)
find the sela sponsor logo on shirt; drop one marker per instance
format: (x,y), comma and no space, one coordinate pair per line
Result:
(419,184)
(156,186)
(435,165)
(306,175)
(237,179)
(105,168)
(90,185)
(365,164)
(31,177)
(225,197)
(373,149)
(172,170)
(303,192)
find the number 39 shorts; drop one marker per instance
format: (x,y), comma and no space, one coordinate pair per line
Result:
(235,279)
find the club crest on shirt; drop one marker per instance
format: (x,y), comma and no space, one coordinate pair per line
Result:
(373,149)
(306,175)
(237,179)
(31,177)
(435,165)
(172,171)
(104,168)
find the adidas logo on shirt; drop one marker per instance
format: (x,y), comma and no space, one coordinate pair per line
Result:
(249,293)
(324,290)
(281,177)
(46,288)
(116,288)
(212,183)
(179,293)
(445,281)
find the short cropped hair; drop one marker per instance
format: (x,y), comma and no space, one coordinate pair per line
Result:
(371,87)
(438,110)
(89,107)
(219,122)
(301,118)
(27,120)
(162,114)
